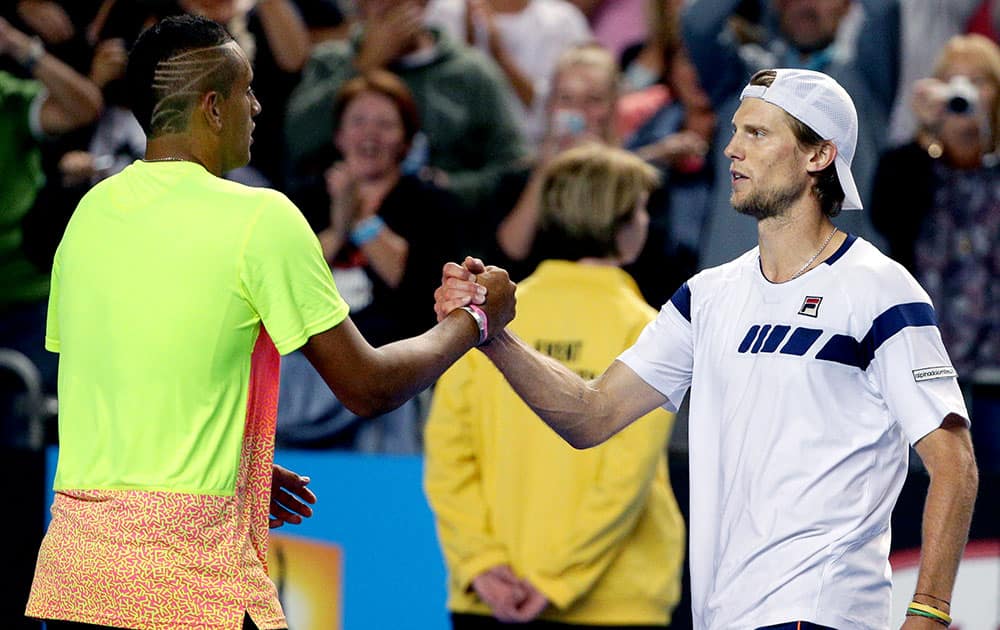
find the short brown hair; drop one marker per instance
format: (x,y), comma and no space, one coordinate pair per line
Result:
(826,183)
(388,85)
(587,194)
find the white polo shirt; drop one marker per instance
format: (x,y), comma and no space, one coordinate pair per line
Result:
(804,396)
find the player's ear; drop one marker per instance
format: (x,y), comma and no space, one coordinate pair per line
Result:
(210,106)
(821,156)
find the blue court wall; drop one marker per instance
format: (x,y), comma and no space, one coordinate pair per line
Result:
(392,575)
(373,507)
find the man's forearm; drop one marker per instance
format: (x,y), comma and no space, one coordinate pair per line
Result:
(412,365)
(72,101)
(286,33)
(372,381)
(559,396)
(516,233)
(523,87)
(77,97)
(946,519)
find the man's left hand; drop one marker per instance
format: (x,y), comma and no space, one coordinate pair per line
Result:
(288,491)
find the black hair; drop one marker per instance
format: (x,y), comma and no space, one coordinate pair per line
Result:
(162,42)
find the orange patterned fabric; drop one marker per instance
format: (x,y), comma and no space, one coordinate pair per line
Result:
(162,560)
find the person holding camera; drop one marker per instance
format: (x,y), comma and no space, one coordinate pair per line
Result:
(937,202)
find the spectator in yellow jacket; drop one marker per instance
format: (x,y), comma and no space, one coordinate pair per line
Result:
(532,530)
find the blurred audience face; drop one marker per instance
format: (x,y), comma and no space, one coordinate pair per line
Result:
(978,60)
(588,91)
(371,135)
(811,25)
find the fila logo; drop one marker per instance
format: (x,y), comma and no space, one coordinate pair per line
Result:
(810,307)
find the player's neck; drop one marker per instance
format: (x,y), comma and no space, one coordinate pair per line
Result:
(610,261)
(793,244)
(176,147)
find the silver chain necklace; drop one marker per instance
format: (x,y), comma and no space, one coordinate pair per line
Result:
(814,256)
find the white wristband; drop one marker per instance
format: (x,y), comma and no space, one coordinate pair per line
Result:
(482,322)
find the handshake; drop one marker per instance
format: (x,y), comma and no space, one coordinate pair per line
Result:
(486,292)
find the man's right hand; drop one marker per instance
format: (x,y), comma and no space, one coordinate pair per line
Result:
(389,34)
(500,305)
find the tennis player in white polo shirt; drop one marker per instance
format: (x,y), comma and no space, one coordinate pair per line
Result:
(813,362)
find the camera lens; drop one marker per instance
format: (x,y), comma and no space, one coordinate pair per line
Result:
(959,105)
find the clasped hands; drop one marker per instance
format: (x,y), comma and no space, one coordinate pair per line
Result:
(473,282)
(511,599)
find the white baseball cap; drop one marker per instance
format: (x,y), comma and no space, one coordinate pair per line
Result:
(820,103)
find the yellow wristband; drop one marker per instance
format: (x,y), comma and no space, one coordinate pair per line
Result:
(930,610)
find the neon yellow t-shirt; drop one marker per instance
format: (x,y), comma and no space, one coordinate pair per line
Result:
(159,289)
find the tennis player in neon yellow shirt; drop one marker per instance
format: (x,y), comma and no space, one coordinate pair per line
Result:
(174,293)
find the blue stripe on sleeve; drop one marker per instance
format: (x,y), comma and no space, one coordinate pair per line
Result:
(682,301)
(896,319)
(844,349)
(847,350)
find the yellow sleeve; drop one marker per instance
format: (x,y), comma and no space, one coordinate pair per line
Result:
(285,277)
(52,338)
(614,504)
(453,477)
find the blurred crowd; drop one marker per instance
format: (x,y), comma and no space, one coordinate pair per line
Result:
(436,118)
